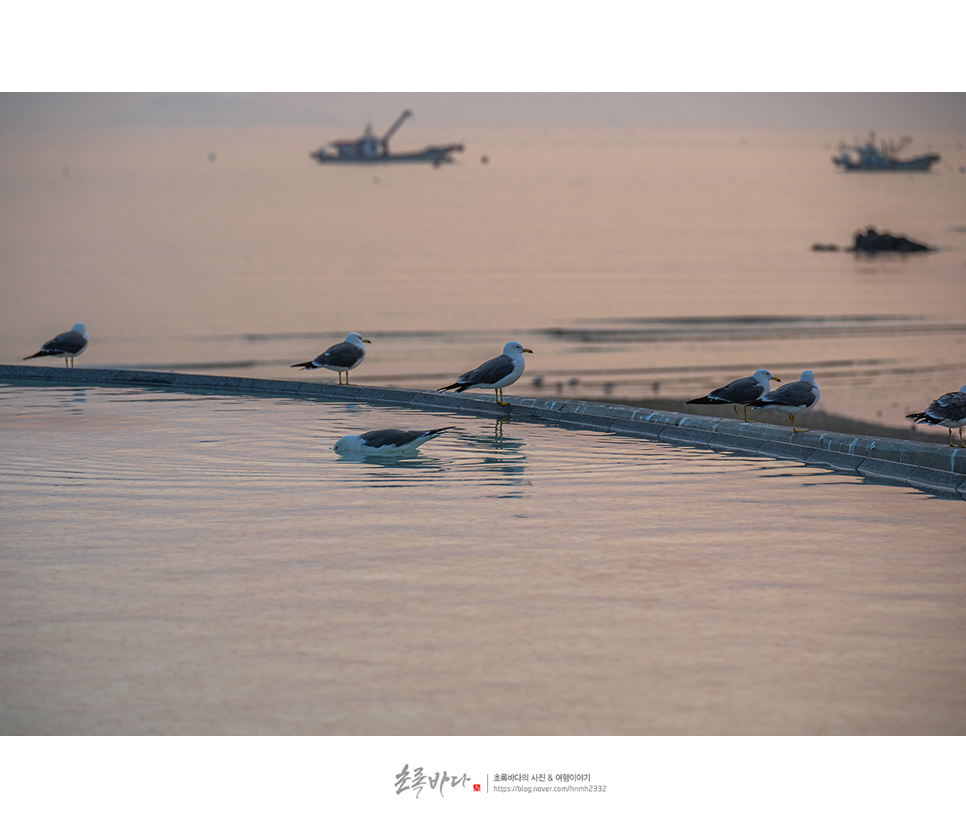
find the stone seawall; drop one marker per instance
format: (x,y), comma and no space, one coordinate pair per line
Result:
(937,468)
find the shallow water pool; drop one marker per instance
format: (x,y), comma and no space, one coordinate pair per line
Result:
(178,563)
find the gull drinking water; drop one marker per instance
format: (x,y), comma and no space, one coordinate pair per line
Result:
(385,441)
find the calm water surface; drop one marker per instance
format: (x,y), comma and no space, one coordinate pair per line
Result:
(177,563)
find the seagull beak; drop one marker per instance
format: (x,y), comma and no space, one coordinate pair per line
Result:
(775,378)
(527,350)
(367,341)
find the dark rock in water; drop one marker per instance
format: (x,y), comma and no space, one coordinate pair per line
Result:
(871,242)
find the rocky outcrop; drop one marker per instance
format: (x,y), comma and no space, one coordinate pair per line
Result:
(872,242)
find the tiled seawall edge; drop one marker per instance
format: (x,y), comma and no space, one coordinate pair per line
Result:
(934,467)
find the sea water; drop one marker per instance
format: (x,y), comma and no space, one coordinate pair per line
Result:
(180,563)
(630,261)
(189,564)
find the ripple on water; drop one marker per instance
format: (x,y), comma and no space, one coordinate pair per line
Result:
(162,549)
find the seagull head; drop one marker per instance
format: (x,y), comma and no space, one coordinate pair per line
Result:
(763,375)
(357,340)
(515,349)
(351,443)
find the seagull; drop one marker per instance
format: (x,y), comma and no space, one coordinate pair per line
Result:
(949,410)
(385,441)
(496,373)
(791,398)
(740,392)
(342,357)
(70,344)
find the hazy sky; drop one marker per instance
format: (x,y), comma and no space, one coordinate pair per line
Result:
(851,112)
(501,45)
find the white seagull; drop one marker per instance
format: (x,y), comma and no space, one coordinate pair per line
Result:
(740,392)
(949,410)
(496,373)
(69,345)
(385,441)
(791,398)
(342,357)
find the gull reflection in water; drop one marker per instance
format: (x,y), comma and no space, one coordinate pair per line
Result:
(498,459)
(394,470)
(72,400)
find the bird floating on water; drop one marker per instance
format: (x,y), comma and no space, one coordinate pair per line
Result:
(742,392)
(792,398)
(385,441)
(342,357)
(496,373)
(69,345)
(949,411)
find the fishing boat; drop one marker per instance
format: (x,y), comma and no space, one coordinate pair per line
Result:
(372,149)
(884,157)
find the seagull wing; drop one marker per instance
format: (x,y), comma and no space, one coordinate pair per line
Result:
(490,372)
(342,354)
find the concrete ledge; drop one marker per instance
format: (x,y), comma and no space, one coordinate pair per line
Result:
(940,469)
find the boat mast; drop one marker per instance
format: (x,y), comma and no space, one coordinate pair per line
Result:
(395,126)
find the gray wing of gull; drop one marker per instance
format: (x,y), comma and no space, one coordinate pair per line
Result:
(343,355)
(399,438)
(391,437)
(490,372)
(948,407)
(69,342)
(796,394)
(740,391)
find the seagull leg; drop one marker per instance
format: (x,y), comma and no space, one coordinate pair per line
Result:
(746,415)
(794,427)
(951,437)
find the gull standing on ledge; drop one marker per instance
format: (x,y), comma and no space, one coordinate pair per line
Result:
(791,398)
(70,344)
(385,441)
(949,410)
(740,392)
(496,373)
(342,357)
